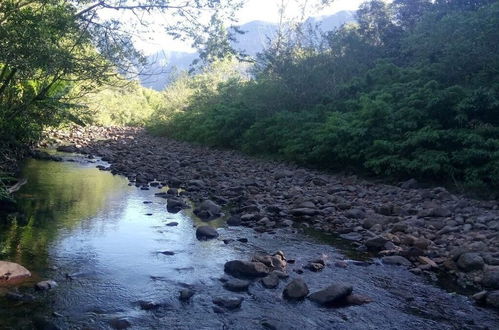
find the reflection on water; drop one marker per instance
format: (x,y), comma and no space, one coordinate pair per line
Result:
(56,198)
(94,235)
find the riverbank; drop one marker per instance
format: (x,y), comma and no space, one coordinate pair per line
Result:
(428,230)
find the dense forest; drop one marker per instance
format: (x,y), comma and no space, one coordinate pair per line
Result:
(410,90)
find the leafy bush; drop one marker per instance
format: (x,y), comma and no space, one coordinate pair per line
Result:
(401,94)
(131,104)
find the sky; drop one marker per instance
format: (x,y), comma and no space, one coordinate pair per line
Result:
(264,10)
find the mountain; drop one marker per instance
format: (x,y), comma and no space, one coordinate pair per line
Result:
(165,62)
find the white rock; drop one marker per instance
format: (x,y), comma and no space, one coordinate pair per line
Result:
(11,272)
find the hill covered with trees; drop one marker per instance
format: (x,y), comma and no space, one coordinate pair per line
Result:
(409,91)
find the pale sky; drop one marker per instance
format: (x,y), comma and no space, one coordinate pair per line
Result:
(264,10)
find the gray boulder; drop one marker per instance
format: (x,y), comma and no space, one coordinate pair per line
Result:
(175,205)
(297,289)
(208,210)
(376,243)
(493,299)
(228,302)
(271,281)
(204,233)
(45,285)
(332,294)
(234,220)
(470,261)
(246,269)
(491,278)
(396,260)
(237,285)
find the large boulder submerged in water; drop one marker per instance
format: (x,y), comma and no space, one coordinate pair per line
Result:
(11,272)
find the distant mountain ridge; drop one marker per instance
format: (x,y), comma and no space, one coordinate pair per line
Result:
(253,41)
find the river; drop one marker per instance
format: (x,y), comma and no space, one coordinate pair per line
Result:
(101,241)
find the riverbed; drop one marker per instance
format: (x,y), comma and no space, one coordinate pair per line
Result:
(108,246)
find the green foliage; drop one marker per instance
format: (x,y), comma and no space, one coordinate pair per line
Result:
(4,194)
(409,91)
(131,104)
(53,52)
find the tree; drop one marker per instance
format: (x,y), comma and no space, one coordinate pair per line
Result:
(51,46)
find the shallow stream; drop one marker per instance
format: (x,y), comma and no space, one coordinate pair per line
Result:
(101,241)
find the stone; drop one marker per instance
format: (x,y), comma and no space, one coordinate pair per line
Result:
(11,272)
(399,227)
(237,285)
(172,224)
(422,243)
(175,205)
(186,294)
(376,244)
(355,214)
(148,305)
(315,266)
(412,252)
(493,299)
(480,296)
(280,274)
(120,323)
(239,268)
(437,212)
(234,220)
(332,294)
(271,281)
(470,261)
(208,210)
(297,289)
(229,303)
(396,260)
(357,299)
(341,264)
(283,174)
(300,212)
(473,247)
(204,233)
(372,221)
(272,325)
(45,285)
(491,278)
(427,261)
(387,209)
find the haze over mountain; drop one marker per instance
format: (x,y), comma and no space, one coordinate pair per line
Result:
(253,41)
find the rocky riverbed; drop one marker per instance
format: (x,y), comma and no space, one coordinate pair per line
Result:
(427,230)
